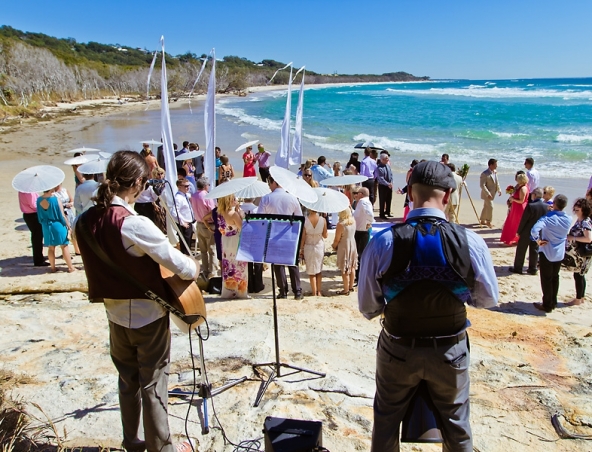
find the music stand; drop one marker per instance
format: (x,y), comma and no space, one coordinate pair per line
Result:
(273,248)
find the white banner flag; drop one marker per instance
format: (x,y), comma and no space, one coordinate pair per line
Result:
(150,73)
(296,155)
(167,144)
(282,158)
(210,125)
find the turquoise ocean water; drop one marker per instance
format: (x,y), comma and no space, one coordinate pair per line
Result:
(472,120)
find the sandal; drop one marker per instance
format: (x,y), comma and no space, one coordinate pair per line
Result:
(343,292)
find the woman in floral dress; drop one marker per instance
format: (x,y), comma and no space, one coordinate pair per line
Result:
(235,281)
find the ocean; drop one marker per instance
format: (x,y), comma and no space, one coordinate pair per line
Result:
(549,120)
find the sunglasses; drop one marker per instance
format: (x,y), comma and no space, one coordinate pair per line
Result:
(307,175)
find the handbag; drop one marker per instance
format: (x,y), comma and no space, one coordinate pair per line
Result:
(584,249)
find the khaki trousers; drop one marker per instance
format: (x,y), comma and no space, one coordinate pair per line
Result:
(451,213)
(207,248)
(142,358)
(487,212)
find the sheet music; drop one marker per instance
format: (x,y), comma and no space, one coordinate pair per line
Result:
(252,242)
(282,247)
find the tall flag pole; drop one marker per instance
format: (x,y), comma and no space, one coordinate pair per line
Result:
(167,143)
(282,158)
(210,124)
(296,155)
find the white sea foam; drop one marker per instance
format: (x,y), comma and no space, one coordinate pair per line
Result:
(389,143)
(498,93)
(508,134)
(568,138)
(530,84)
(241,116)
(315,137)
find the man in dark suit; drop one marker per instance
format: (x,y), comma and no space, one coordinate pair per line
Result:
(535,209)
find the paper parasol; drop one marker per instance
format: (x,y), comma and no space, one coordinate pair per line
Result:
(95,165)
(83,150)
(189,155)
(38,178)
(293,184)
(344,180)
(246,145)
(329,201)
(230,187)
(77,160)
(151,142)
(255,190)
(106,155)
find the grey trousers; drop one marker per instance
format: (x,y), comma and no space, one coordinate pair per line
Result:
(399,369)
(142,358)
(207,248)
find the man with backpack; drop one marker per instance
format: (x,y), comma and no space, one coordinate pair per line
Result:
(419,276)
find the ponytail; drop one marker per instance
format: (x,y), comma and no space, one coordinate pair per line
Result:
(123,170)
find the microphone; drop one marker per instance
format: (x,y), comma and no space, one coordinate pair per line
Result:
(157,185)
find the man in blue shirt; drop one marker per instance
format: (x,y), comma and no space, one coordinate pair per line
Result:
(550,233)
(419,275)
(319,171)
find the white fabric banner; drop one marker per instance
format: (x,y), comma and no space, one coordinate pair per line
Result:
(210,125)
(296,155)
(150,73)
(167,145)
(282,157)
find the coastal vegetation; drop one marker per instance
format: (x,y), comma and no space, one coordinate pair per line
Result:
(37,69)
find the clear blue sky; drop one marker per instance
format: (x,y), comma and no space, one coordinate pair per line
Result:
(441,39)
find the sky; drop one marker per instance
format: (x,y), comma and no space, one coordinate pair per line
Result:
(497,39)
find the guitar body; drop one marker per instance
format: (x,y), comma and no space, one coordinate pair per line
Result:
(185,296)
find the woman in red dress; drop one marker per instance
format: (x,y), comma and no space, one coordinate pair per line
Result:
(249,159)
(518,202)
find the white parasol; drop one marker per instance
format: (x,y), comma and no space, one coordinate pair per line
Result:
(189,155)
(38,178)
(96,165)
(246,145)
(151,142)
(106,155)
(82,150)
(344,180)
(329,201)
(230,187)
(293,184)
(77,160)
(255,190)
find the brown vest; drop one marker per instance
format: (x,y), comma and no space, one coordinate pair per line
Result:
(103,282)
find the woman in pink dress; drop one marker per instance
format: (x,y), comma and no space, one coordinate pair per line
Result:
(249,159)
(518,202)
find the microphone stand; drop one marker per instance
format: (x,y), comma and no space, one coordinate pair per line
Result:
(204,389)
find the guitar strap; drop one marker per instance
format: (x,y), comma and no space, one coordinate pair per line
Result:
(92,242)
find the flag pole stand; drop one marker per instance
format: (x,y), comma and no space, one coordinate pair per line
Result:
(277,366)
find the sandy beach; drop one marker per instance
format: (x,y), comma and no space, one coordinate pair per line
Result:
(525,366)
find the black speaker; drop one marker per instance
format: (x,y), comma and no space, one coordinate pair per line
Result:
(421,423)
(292,435)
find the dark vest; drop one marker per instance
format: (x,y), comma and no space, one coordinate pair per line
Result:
(104,282)
(429,279)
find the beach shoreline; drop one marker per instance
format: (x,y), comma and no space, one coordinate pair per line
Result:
(525,366)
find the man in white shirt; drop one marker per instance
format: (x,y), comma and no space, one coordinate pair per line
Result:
(183,213)
(282,203)
(534,178)
(364,216)
(454,196)
(84,192)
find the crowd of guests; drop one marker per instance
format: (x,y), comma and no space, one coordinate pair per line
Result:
(214,227)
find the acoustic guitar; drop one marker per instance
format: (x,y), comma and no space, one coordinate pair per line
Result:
(185,296)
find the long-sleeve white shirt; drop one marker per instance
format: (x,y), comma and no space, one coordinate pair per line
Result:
(364,214)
